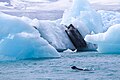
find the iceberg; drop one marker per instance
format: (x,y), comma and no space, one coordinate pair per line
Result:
(109,18)
(54,33)
(19,40)
(84,18)
(108,42)
(22,37)
(88,17)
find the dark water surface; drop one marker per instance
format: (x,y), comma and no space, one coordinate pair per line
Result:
(102,66)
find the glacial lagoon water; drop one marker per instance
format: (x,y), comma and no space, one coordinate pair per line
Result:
(102,66)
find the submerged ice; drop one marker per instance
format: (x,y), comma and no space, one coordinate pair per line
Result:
(18,40)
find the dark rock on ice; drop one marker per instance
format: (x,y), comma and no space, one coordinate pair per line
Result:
(76,38)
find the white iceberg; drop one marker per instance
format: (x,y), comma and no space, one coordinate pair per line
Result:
(54,33)
(108,42)
(109,18)
(82,11)
(84,18)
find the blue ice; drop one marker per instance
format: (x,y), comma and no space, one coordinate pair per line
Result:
(18,40)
